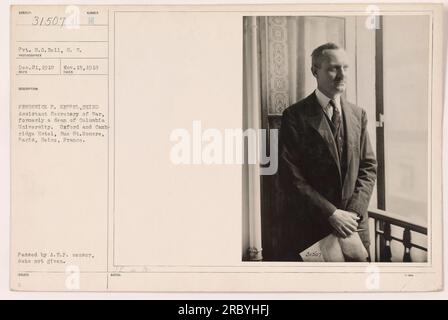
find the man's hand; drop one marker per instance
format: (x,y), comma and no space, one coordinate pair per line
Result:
(344,222)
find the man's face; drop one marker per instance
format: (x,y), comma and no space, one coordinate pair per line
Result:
(332,74)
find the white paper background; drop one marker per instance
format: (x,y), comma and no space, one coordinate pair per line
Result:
(4,194)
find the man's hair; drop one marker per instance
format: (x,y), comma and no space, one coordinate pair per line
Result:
(318,53)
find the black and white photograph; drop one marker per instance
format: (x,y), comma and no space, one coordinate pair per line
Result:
(226,149)
(349,100)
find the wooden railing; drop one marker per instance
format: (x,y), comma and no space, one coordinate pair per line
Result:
(383,235)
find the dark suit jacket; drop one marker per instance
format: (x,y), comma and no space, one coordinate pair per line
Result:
(310,173)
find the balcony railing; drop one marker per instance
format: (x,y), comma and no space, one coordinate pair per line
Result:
(383,222)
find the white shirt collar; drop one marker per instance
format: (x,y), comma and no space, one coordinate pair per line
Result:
(324,100)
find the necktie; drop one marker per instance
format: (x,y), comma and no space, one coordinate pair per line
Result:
(336,118)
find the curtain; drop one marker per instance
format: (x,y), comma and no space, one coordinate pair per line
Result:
(252,249)
(285,53)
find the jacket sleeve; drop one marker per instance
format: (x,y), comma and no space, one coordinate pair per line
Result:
(291,169)
(365,181)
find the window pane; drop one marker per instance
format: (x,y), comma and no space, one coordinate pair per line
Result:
(406,66)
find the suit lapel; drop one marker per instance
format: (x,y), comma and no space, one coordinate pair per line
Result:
(351,130)
(316,118)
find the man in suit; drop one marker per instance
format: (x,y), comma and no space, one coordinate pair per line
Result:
(327,166)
